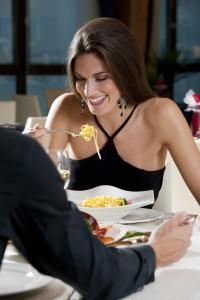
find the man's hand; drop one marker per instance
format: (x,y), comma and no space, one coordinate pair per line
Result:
(171,239)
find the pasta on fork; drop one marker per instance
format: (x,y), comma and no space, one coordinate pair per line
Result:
(88,132)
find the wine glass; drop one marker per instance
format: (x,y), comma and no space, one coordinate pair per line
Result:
(60,159)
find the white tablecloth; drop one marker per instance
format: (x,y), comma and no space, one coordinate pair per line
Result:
(179,281)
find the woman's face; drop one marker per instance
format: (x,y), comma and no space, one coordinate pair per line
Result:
(95,84)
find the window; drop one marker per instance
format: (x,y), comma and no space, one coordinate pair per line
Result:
(34,37)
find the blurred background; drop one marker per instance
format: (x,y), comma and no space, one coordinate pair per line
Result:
(35,35)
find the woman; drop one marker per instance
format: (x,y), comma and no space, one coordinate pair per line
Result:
(135,128)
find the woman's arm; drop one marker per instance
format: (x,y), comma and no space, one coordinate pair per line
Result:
(175,133)
(57,119)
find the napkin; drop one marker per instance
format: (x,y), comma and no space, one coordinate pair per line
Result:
(193,104)
(191,98)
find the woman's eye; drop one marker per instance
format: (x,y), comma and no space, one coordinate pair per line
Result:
(101,78)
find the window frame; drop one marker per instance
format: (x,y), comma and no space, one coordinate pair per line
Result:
(21,67)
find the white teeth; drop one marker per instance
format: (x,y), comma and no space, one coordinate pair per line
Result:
(97,100)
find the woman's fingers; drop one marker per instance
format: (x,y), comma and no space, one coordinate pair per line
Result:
(36,131)
(40,134)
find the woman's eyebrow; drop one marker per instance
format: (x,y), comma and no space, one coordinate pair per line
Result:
(95,74)
(102,73)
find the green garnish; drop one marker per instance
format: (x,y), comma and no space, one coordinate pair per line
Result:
(125,201)
(131,234)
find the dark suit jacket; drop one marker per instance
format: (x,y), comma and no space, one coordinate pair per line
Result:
(50,232)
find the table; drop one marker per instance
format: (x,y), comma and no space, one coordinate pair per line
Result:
(180,280)
(55,290)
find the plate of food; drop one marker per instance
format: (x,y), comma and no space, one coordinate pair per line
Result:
(105,233)
(17,278)
(114,235)
(108,203)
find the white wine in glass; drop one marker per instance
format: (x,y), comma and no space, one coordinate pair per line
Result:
(65,174)
(60,159)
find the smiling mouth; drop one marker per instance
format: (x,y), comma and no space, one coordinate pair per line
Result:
(96,101)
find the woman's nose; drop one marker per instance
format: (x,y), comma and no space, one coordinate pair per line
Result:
(89,88)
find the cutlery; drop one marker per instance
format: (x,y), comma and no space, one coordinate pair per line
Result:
(190,218)
(73,134)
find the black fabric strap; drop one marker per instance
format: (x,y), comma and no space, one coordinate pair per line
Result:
(106,134)
(120,128)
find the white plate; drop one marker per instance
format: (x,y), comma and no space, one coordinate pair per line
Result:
(16,278)
(110,214)
(141,215)
(116,232)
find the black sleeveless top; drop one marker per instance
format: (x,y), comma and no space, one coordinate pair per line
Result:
(112,170)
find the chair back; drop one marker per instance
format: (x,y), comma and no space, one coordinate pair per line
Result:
(7,111)
(26,105)
(31,121)
(52,94)
(175,195)
(198,144)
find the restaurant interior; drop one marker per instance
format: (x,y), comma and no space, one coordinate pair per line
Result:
(34,38)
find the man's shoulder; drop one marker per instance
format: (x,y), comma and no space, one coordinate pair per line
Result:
(13,142)
(13,136)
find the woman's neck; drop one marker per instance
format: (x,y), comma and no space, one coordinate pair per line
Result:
(112,120)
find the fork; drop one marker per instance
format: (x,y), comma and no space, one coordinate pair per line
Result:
(73,134)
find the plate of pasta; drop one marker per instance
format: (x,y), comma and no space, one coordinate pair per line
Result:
(108,214)
(108,203)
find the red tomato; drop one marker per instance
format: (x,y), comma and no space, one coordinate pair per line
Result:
(100,232)
(91,221)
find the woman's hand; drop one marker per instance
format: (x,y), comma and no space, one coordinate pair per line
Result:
(171,239)
(40,134)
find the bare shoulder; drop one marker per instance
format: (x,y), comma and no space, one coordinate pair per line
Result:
(66,105)
(159,105)
(63,111)
(164,118)
(65,101)
(158,110)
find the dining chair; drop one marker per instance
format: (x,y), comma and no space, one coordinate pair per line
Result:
(198,143)
(163,202)
(7,111)
(175,195)
(26,105)
(31,121)
(52,94)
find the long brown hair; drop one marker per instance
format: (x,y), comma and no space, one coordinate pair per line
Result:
(112,42)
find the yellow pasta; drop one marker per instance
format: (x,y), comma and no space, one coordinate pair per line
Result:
(88,132)
(104,201)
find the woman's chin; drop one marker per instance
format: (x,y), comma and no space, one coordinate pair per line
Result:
(97,110)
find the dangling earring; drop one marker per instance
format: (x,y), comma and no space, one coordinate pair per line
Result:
(122,104)
(82,106)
